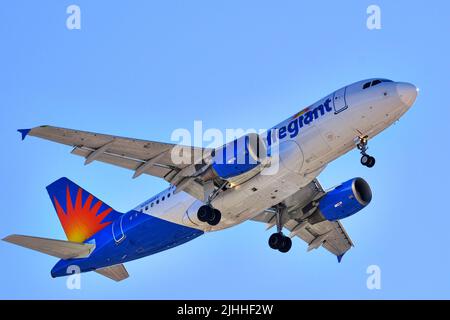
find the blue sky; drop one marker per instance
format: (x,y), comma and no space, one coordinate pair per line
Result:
(143,69)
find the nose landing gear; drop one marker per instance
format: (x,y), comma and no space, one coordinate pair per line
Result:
(366,160)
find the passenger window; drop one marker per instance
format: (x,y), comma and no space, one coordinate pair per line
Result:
(152,205)
(375,82)
(168,195)
(157,201)
(146,208)
(163,198)
(366,85)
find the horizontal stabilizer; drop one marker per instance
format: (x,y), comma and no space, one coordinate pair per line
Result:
(56,248)
(116,272)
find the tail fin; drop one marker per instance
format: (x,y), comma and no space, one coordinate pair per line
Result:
(81,214)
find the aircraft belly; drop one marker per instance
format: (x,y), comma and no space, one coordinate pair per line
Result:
(249,199)
(315,147)
(175,208)
(144,235)
(290,156)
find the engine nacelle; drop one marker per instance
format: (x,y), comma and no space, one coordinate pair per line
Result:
(343,201)
(238,156)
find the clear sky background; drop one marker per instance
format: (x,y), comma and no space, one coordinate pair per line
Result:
(144,68)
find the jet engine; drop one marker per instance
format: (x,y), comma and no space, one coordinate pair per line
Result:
(237,157)
(343,201)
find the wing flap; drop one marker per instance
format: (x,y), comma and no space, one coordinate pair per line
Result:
(120,160)
(56,248)
(330,235)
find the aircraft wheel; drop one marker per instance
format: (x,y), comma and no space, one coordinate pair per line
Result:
(214,219)
(204,213)
(275,240)
(371,162)
(286,244)
(365,159)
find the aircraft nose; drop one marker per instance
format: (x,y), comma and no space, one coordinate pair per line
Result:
(407,93)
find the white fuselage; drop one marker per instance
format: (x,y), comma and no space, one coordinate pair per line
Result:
(306,146)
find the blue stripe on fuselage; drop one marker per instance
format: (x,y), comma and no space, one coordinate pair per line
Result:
(144,235)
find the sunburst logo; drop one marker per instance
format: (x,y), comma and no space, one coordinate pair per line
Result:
(81,220)
(300,113)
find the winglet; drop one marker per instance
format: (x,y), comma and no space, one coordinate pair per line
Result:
(339,257)
(24,133)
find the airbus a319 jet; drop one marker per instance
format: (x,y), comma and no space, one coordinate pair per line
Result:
(225,186)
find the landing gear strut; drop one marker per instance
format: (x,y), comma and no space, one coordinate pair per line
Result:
(208,214)
(278,241)
(366,160)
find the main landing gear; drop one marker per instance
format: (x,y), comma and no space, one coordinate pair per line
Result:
(208,214)
(366,160)
(278,241)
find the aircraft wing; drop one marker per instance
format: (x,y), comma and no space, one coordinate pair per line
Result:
(330,235)
(141,156)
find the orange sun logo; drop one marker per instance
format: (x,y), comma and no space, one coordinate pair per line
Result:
(300,113)
(81,221)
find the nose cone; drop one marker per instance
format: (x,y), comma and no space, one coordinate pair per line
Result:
(407,93)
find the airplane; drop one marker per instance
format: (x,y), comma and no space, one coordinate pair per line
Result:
(219,188)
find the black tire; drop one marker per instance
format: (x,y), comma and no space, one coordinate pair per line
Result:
(215,218)
(371,162)
(275,240)
(365,159)
(286,244)
(204,213)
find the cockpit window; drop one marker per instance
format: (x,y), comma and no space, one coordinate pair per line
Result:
(375,82)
